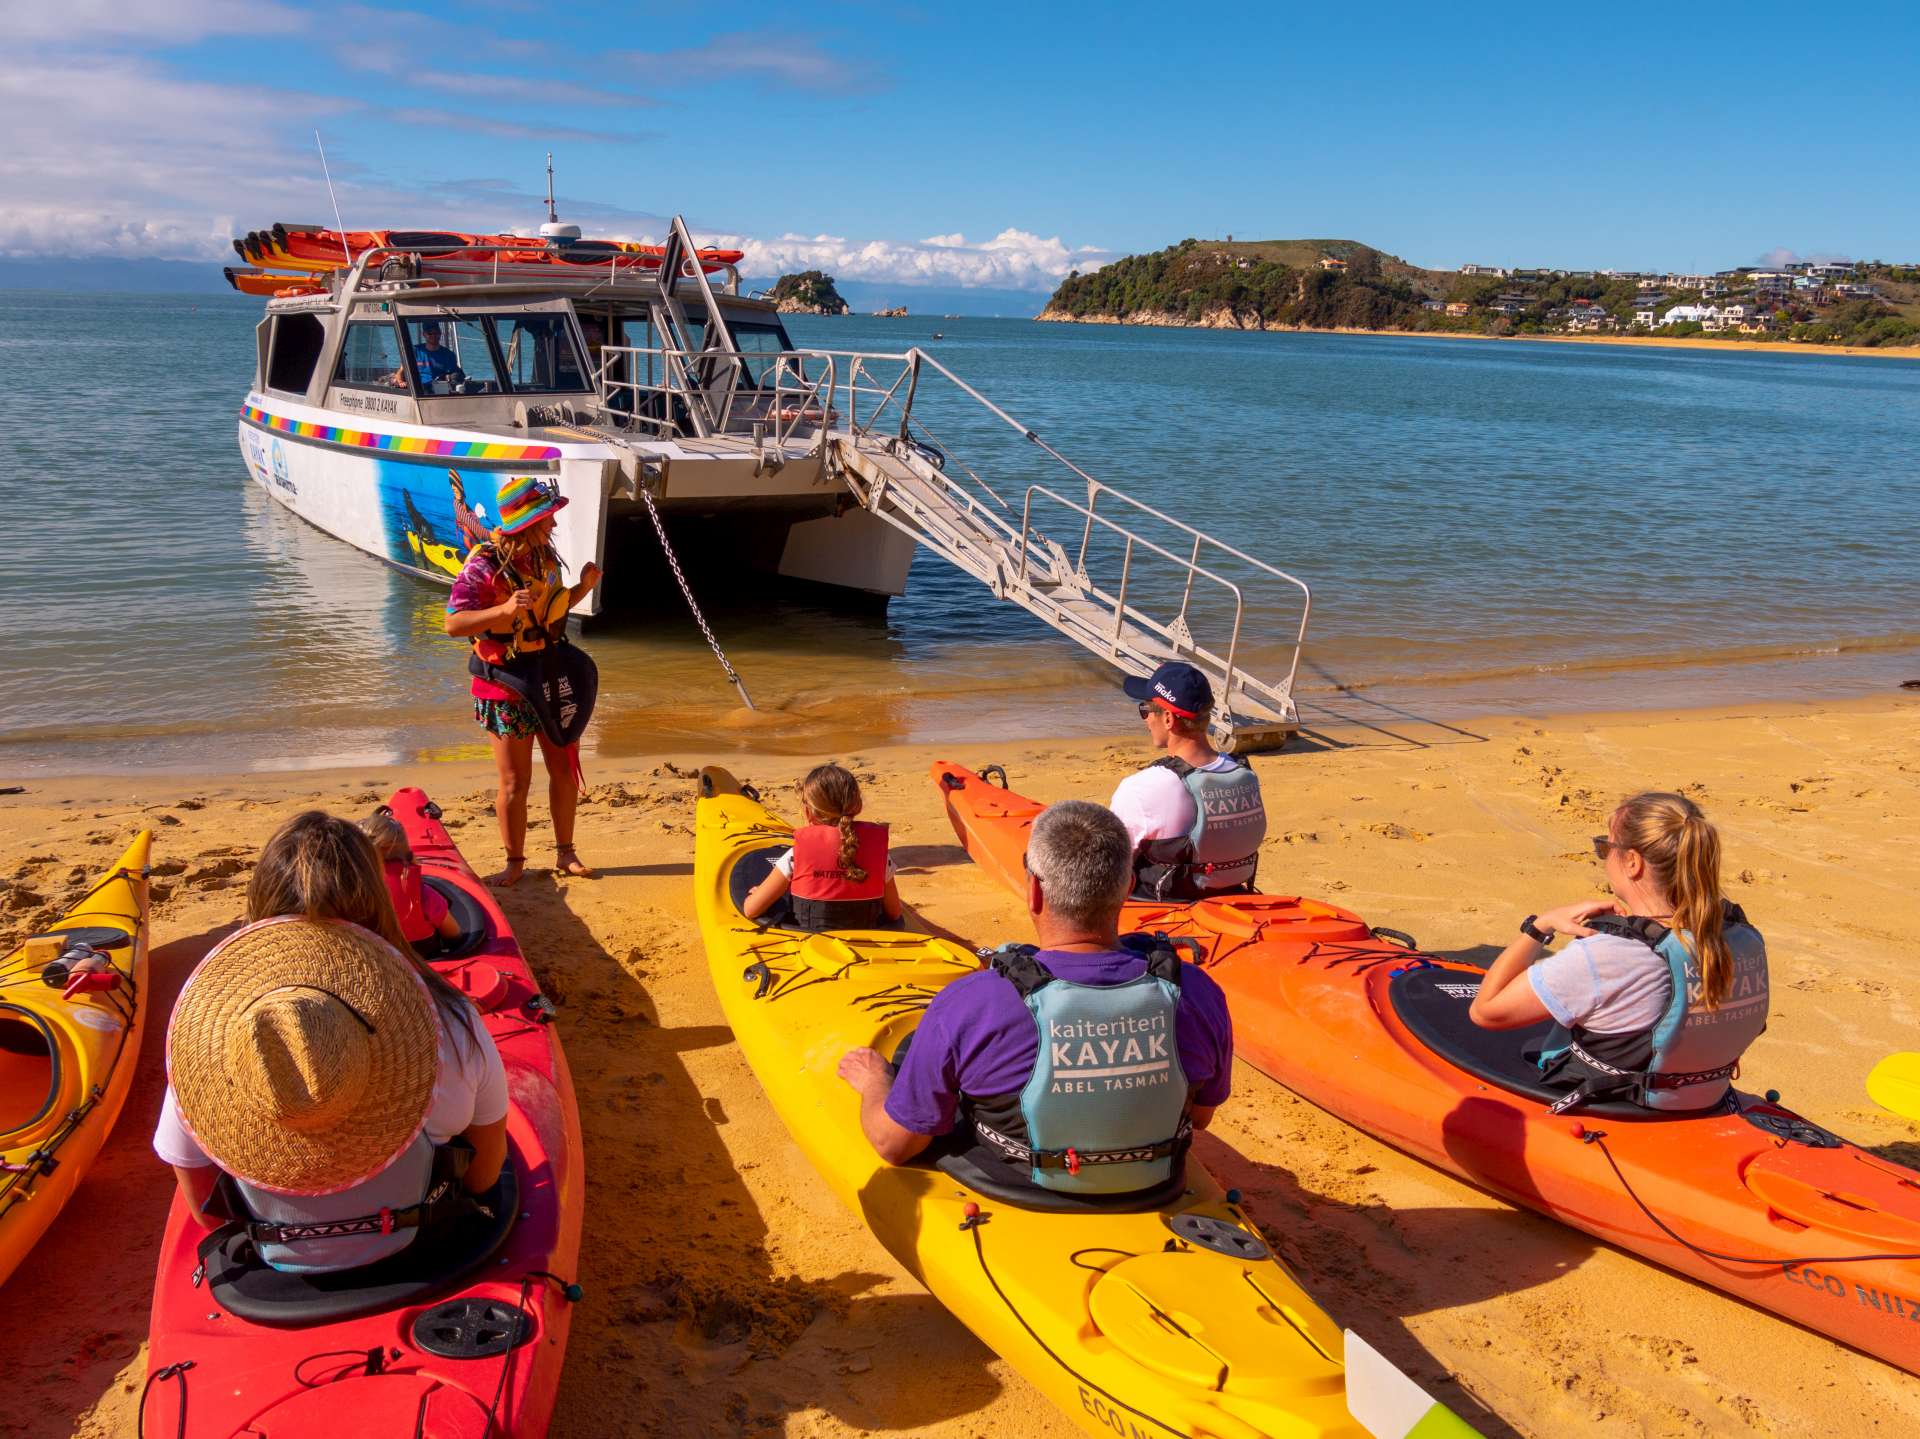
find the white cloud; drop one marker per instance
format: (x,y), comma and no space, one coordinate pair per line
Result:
(168,22)
(1012,260)
(770,57)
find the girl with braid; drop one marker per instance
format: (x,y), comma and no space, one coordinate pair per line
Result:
(837,875)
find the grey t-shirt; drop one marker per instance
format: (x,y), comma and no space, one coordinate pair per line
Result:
(1604,984)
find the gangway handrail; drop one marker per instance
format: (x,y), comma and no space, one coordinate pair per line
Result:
(793,393)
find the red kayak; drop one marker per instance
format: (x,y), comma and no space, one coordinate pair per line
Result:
(463,1341)
(309,248)
(1749,1197)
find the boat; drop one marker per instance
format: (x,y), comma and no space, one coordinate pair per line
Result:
(73,1005)
(690,436)
(1172,1316)
(1751,1198)
(469,1343)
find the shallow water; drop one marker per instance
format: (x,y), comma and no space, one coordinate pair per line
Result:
(1485,527)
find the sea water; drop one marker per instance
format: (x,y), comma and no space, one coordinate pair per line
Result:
(1484,526)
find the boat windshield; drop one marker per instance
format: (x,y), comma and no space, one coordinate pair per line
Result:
(468,354)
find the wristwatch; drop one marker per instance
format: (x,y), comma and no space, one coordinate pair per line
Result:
(1543,938)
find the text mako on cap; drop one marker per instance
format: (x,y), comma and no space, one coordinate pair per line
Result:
(1178,686)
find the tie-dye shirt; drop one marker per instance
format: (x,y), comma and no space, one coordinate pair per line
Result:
(481,586)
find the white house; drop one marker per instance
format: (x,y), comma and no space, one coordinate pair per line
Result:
(1708,315)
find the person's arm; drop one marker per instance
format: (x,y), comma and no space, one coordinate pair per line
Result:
(871,1077)
(462,624)
(1506,1000)
(590,577)
(890,900)
(448,927)
(1200,1116)
(764,895)
(489,1143)
(196,1187)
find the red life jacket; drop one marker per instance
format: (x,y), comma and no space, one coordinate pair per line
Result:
(816,862)
(403,884)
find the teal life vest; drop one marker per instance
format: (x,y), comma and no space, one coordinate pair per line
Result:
(1105,1111)
(1687,1060)
(1220,853)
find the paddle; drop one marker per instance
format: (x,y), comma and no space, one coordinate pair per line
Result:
(1895,1084)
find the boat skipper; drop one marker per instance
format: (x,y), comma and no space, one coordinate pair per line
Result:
(1081,1066)
(1195,818)
(432,360)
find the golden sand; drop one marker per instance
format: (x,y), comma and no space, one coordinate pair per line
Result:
(727,1292)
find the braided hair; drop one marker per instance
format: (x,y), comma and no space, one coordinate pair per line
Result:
(832,795)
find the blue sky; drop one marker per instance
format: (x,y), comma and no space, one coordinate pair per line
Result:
(979,145)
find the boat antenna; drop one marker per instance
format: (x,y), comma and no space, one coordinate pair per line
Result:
(552,217)
(339,225)
(553,231)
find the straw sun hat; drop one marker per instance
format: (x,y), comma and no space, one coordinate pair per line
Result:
(302,1055)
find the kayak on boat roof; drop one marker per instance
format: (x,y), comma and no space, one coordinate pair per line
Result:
(1749,1198)
(73,1005)
(317,248)
(462,1339)
(1075,1295)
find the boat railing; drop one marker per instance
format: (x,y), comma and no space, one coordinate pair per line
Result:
(776,397)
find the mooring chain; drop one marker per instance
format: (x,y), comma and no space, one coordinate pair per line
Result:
(673,563)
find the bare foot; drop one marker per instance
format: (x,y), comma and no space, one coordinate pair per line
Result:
(510,876)
(570,864)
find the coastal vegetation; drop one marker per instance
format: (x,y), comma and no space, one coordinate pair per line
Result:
(1345,285)
(810,292)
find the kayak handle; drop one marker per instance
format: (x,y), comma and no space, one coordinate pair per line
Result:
(990,771)
(1394,936)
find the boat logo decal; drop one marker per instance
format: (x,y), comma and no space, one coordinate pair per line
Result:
(397,444)
(95,1019)
(280,469)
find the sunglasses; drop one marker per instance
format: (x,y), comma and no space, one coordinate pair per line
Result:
(1149,708)
(1603,846)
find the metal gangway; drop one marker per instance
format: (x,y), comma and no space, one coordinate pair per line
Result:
(1123,579)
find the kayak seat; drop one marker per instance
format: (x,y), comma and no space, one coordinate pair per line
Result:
(251,1290)
(957,1164)
(466,912)
(1433,1004)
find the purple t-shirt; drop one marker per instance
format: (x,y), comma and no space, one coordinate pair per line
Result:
(978,1038)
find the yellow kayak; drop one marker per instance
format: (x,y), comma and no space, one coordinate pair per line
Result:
(1178,1321)
(72,1007)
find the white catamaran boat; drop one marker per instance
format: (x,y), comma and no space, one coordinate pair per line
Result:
(400,375)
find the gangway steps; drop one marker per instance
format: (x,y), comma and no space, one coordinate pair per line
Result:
(903,489)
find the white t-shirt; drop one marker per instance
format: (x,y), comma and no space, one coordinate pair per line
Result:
(785,865)
(1604,984)
(471,1089)
(1154,804)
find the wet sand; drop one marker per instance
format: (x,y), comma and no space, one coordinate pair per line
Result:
(728,1293)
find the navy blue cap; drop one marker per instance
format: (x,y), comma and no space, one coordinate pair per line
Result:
(1178,686)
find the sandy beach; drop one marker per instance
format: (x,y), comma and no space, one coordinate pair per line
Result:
(727,1292)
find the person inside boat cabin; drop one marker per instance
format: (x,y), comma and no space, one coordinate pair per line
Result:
(1663,986)
(432,360)
(509,600)
(838,875)
(1079,1065)
(1195,817)
(320,1066)
(422,910)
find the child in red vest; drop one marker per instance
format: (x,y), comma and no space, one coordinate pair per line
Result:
(421,909)
(837,874)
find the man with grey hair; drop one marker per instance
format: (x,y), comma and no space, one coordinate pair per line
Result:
(1080,1065)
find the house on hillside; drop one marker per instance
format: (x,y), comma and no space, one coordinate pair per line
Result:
(1586,317)
(1494,270)
(1707,316)
(1510,304)
(1856,292)
(1831,270)
(1458,307)
(1329,262)
(1435,306)
(1646,307)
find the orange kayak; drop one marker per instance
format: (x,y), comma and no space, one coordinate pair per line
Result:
(1751,1199)
(316,250)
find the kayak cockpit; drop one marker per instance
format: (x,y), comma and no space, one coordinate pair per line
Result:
(29,1070)
(1433,1002)
(245,1286)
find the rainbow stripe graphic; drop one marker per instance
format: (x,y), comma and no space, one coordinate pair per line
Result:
(397,444)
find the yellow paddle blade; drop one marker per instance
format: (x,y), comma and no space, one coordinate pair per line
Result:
(1895,1084)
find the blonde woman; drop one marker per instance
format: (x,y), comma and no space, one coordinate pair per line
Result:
(509,601)
(1663,987)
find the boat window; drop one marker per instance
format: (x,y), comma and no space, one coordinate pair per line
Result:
(370,357)
(452,355)
(296,350)
(540,353)
(758,344)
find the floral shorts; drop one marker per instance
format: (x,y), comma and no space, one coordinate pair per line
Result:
(510,719)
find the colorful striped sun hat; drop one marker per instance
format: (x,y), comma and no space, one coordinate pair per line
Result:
(522,500)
